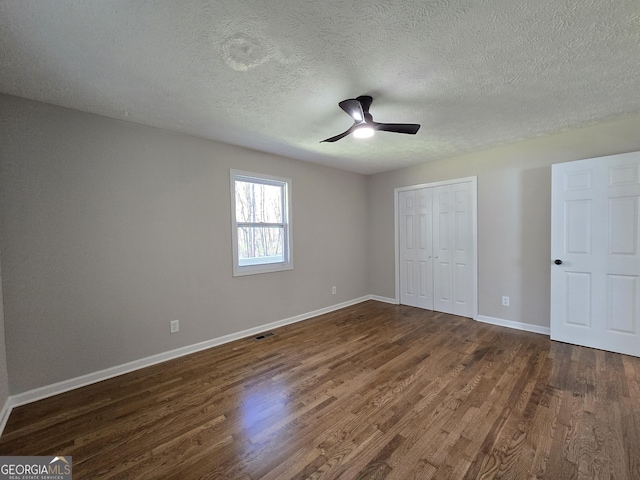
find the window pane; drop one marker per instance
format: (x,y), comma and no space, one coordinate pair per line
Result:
(258,203)
(257,245)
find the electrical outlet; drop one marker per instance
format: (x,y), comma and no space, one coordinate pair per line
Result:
(333,290)
(505,301)
(175,326)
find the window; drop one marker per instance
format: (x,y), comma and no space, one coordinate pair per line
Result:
(261,216)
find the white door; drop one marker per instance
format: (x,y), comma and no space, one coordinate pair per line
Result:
(453,249)
(595,249)
(415,248)
(436,247)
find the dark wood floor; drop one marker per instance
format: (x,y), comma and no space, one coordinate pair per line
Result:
(370,391)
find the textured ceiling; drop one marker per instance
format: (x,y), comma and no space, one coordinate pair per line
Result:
(269,74)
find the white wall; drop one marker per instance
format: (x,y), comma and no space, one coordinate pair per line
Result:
(109,230)
(514,214)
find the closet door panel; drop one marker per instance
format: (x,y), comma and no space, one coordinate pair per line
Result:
(415,238)
(443,236)
(462,249)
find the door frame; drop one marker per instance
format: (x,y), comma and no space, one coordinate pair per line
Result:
(474,232)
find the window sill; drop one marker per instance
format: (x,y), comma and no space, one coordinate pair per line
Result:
(264,268)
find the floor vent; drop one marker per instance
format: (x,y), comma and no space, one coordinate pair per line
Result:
(262,336)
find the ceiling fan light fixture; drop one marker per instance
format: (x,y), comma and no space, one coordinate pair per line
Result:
(364,126)
(363,132)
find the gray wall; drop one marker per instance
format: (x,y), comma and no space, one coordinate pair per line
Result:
(514,214)
(109,230)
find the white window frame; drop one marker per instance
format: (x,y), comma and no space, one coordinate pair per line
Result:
(285,183)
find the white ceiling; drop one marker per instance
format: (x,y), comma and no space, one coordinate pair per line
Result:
(269,74)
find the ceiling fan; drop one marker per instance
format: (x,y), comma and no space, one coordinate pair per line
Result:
(364,126)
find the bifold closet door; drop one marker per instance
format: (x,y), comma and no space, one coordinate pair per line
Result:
(415,238)
(453,249)
(436,248)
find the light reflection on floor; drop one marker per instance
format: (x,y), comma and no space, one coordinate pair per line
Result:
(263,405)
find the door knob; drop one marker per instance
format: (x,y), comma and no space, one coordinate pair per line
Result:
(557,261)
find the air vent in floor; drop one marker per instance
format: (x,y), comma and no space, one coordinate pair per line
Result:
(262,336)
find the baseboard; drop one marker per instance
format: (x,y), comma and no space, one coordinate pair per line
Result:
(4,413)
(73,383)
(378,298)
(515,325)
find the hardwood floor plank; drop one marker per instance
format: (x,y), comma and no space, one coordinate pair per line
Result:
(558,464)
(390,392)
(543,433)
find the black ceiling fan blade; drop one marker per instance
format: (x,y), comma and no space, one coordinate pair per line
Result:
(365,102)
(353,109)
(342,135)
(410,128)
